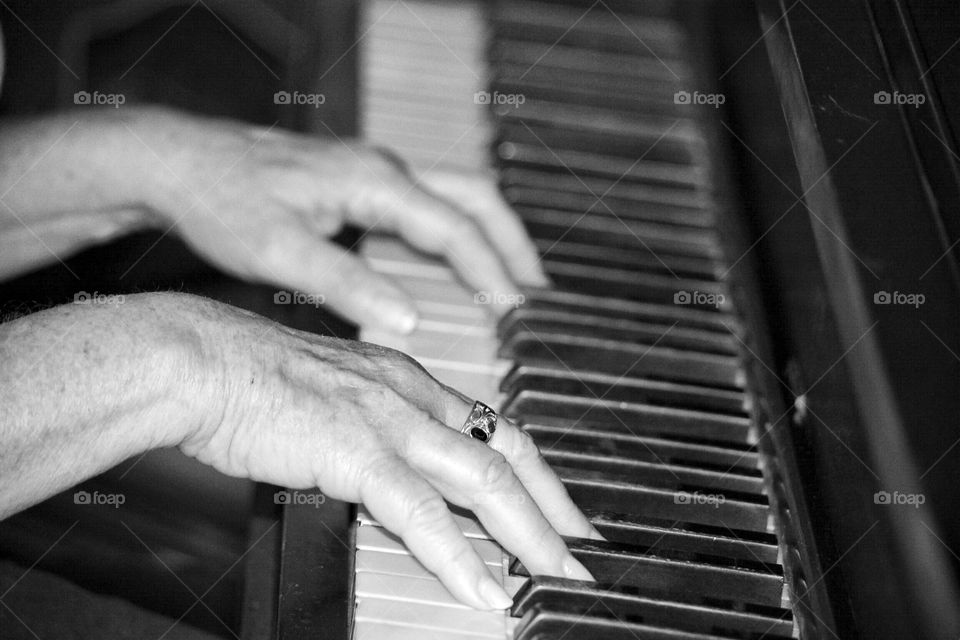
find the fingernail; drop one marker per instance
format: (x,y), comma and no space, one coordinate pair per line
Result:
(576,571)
(407,321)
(401,319)
(535,279)
(596,535)
(493,594)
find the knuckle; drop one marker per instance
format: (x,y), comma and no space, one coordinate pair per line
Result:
(459,554)
(349,276)
(379,398)
(545,536)
(391,164)
(427,513)
(383,407)
(402,425)
(497,474)
(399,359)
(403,370)
(462,227)
(525,451)
(378,467)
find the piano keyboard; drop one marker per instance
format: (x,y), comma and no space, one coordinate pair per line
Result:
(627,373)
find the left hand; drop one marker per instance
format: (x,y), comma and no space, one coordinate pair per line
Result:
(259,203)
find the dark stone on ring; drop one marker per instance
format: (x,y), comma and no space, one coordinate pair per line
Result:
(481,423)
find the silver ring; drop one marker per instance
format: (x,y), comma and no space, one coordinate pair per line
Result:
(481,423)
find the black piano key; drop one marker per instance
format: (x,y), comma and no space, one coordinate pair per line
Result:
(581,163)
(685,581)
(558,625)
(599,227)
(659,474)
(589,255)
(639,287)
(624,389)
(546,123)
(553,85)
(588,438)
(574,353)
(628,417)
(541,321)
(572,60)
(653,142)
(575,597)
(595,304)
(678,217)
(657,207)
(591,489)
(522,185)
(663,551)
(548,23)
(726,545)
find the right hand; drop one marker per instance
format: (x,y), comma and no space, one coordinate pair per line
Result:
(368,424)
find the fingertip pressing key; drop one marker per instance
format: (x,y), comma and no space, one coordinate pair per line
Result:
(493,594)
(573,569)
(594,534)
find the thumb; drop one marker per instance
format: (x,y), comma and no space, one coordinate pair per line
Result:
(346,283)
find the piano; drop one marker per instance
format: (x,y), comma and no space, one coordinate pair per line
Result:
(746,371)
(717,191)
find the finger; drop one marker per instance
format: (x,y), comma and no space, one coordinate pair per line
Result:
(430,224)
(478,195)
(478,478)
(542,482)
(342,281)
(407,505)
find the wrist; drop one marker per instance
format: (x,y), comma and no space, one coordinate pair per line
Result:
(124,375)
(188,361)
(159,142)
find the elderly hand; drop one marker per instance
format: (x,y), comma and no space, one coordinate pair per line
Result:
(368,424)
(259,203)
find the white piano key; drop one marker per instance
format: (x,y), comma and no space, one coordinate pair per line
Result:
(446,312)
(394,253)
(397,598)
(369,630)
(479,329)
(451,347)
(405,589)
(430,616)
(391,564)
(379,539)
(497,368)
(468,524)
(449,292)
(512,584)
(472,384)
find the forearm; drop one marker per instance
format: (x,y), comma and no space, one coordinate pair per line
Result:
(72,179)
(83,387)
